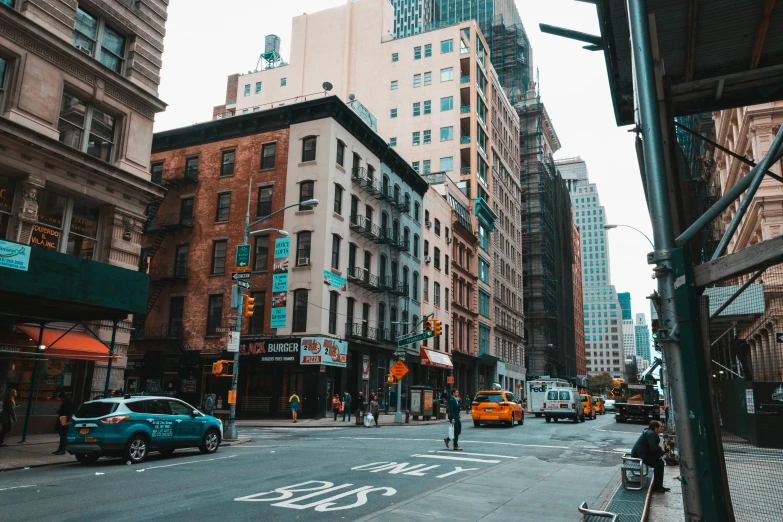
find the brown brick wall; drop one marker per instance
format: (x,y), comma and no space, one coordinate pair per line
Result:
(232,89)
(200,284)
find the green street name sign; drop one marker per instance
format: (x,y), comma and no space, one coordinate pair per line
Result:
(413,338)
(243,256)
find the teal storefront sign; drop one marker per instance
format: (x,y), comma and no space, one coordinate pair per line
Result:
(14,255)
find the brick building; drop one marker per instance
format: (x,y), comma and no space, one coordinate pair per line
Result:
(579,326)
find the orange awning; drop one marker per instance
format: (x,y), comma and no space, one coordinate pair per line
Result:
(437,359)
(74,345)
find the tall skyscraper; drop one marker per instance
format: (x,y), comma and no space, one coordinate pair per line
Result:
(642,334)
(629,332)
(414,16)
(625,304)
(602,311)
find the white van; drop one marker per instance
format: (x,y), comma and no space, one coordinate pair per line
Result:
(536,393)
(564,404)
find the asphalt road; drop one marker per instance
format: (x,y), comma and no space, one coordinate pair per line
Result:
(537,471)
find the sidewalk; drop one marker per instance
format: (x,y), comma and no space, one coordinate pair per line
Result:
(668,507)
(328,422)
(38,452)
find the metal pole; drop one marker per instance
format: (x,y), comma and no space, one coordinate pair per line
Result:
(111,357)
(398,413)
(231,429)
(693,463)
(32,385)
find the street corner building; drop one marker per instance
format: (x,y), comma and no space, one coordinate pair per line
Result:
(333,291)
(78,97)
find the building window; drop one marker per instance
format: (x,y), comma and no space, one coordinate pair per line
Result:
(447,164)
(415,286)
(427,106)
(483,303)
(416,210)
(156,173)
(300,311)
(303,248)
(446,46)
(447,103)
(333,296)
(417,80)
(416,246)
(426,285)
(428,78)
(86,128)
(417,109)
(416,165)
(308,148)
(247,90)
(446,133)
(268,153)
(484,334)
(427,50)
(436,294)
(176,311)
(446,264)
(394,85)
(392,142)
(186,211)
(261,261)
(258,87)
(446,75)
(338,199)
(218,257)
(88,30)
(436,257)
(417,52)
(483,266)
(264,207)
(223,210)
(306,189)
(427,137)
(426,166)
(214,313)
(483,238)
(283,82)
(256,324)
(437,227)
(227,164)
(335,252)
(446,302)
(417,138)
(393,113)
(395,57)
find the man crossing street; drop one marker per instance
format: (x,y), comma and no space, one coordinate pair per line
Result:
(454,411)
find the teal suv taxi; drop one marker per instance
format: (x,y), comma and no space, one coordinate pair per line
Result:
(133,426)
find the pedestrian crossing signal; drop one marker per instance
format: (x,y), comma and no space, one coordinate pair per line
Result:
(217,368)
(390,378)
(223,368)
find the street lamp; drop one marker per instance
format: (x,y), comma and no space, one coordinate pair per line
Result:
(231,429)
(609,227)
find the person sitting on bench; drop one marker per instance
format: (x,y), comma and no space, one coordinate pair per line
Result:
(648,448)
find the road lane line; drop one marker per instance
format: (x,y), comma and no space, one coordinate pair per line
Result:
(478,454)
(18,487)
(464,459)
(184,463)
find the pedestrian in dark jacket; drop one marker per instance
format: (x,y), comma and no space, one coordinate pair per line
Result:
(454,411)
(648,448)
(375,409)
(8,415)
(347,405)
(64,415)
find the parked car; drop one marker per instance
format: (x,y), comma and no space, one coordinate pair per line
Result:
(564,404)
(600,405)
(587,404)
(609,404)
(133,426)
(497,406)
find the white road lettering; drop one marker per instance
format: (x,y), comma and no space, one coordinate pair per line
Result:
(285,497)
(464,459)
(368,466)
(286,491)
(420,472)
(293,503)
(456,470)
(361,495)
(395,468)
(478,454)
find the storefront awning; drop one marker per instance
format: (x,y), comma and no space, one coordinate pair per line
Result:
(437,359)
(74,345)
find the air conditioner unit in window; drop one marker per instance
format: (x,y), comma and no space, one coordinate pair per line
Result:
(428,224)
(427,259)
(83,49)
(303,261)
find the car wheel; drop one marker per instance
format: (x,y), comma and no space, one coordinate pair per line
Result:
(555,419)
(137,449)
(522,420)
(211,442)
(549,419)
(86,458)
(576,419)
(510,424)
(476,424)
(537,415)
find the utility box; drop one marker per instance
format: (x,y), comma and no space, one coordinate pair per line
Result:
(420,400)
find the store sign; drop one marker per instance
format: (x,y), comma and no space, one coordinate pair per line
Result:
(324,351)
(365,367)
(233,342)
(278,350)
(334,280)
(280,283)
(14,255)
(45,237)
(6,194)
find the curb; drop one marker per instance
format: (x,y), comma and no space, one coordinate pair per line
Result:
(19,468)
(310,426)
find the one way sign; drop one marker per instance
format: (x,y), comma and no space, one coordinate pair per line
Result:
(779,337)
(239,276)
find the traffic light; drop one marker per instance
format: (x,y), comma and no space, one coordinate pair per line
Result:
(655,326)
(429,327)
(247,307)
(217,368)
(390,378)
(436,330)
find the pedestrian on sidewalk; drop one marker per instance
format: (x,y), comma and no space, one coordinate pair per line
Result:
(209,404)
(360,409)
(375,409)
(454,411)
(293,400)
(336,405)
(347,405)
(648,448)
(64,415)
(8,415)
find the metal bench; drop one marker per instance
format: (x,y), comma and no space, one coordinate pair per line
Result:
(593,515)
(633,472)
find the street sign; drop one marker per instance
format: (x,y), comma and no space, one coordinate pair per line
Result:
(232,397)
(779,337)
(450,379)
(233,342)
(244,284)
(399,369)
(232,320)
(225,329)
(414,338)
(243,257)
(239,276)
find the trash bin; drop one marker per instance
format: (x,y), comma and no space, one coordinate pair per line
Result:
(442,411)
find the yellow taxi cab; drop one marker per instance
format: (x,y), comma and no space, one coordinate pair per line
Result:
(497,406)
(600,405)
(587,402)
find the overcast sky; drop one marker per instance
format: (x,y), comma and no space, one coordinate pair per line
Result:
(204,47)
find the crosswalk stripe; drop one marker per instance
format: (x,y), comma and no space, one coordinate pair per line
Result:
(478,454)
(464,459)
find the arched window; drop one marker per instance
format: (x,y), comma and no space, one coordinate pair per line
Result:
(308,148)
(405,273)
(382,270)
(382,318)
(407,202)
(393,320)
(384,225)
(406,238)
(385,186)
(416,285)
(394,273)
(416,210)
(397,194)
(404,322)
(396,231)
